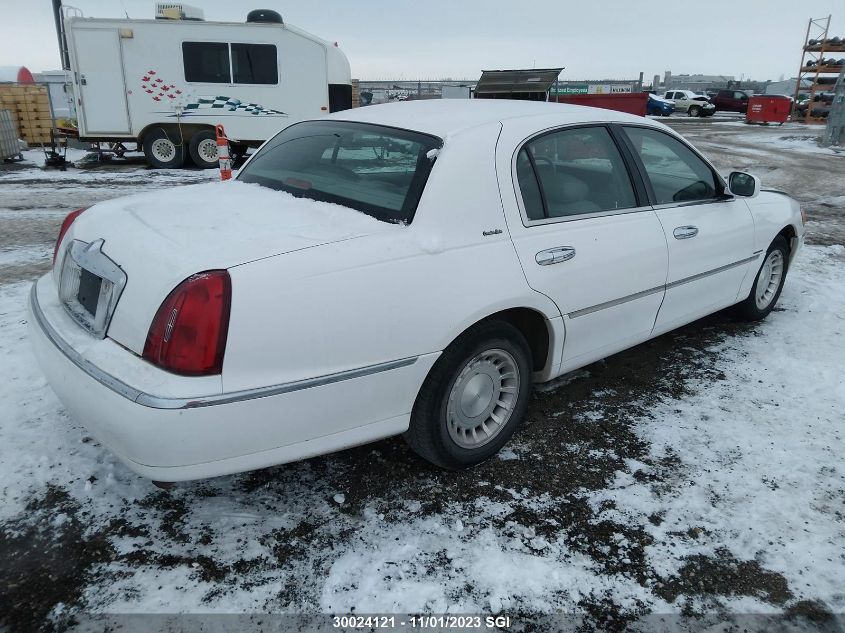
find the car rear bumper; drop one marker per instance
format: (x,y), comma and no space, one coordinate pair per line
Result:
(173,438)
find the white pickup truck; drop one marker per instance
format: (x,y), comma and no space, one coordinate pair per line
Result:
(690,102)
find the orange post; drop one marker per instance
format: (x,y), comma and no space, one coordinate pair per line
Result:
(223,154)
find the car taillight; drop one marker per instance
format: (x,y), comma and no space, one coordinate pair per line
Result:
(188,333)
(65,226)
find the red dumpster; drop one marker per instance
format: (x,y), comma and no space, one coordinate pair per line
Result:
(768,109)
(631,102)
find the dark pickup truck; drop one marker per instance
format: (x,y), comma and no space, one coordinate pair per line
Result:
(731,100)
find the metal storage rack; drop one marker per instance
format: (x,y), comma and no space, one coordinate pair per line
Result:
(817,44)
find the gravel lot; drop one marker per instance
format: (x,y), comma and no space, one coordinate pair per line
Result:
(693,480)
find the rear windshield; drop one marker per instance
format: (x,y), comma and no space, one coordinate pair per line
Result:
(378,170)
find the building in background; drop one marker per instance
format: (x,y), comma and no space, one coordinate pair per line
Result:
(787,87)
(698,83)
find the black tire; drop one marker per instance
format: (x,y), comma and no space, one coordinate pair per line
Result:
(694,111)
(748,309)
(199,149)
(164,149)
(428,434)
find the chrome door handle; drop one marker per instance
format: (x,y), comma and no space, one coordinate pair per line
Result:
(555,255)
(685,232)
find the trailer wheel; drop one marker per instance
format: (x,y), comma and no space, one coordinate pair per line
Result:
(163,150)
(203,149)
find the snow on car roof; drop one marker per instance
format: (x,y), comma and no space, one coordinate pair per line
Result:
(452,116)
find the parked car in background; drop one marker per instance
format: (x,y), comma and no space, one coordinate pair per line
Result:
(731,100)
(691,103)
(658,106)
(363,277)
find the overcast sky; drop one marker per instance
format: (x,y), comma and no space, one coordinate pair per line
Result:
(431,39)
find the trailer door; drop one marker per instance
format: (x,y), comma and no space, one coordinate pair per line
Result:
(99,64)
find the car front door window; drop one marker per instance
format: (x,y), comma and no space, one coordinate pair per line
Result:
(675,172)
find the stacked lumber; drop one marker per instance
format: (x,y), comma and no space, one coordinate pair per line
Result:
(29,105)
(356,93)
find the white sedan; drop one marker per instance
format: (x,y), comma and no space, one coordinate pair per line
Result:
(407,268)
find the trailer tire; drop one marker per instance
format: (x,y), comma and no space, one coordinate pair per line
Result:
(163,150)
(203,149)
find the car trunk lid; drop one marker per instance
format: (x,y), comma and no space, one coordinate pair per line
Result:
(159,239)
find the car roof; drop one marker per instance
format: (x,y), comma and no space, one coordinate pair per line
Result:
(446,117)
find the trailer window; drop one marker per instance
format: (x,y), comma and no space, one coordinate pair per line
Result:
(206,62)
(254,64)
(378,170)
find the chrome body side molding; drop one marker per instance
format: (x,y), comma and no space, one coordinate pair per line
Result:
(650,291)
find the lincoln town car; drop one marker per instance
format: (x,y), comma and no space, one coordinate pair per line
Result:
(403,269)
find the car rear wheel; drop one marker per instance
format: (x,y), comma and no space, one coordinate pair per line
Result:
(474,397)
(694,111)
(163,150)
(203,149)
(768,284)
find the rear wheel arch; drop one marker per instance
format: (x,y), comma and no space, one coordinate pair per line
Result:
(531,323)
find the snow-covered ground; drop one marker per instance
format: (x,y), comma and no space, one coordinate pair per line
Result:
(698,474)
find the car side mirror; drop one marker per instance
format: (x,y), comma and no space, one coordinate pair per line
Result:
(742,184)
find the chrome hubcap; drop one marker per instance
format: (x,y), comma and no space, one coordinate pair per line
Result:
(163,150)
(768,279)
(207,149)
(482,399)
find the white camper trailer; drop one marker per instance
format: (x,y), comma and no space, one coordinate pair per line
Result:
(166,83)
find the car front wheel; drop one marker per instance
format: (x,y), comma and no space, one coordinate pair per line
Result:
(768,284)
(694,111)
(474,397)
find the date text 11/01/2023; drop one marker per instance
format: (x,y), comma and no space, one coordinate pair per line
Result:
(434,622)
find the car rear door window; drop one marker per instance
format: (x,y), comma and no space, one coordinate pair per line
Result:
(532,199)
(676,173)
(575,171)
